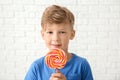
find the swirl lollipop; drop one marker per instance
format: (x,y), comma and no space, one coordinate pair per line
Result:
(56,59)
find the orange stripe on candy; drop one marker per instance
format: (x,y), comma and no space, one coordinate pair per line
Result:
(56,58)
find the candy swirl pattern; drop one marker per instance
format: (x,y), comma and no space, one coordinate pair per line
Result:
(56,58)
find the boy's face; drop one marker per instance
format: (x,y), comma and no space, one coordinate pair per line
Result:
(57,36)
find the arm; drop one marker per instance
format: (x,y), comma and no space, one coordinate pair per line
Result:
(32,73)
(86,71)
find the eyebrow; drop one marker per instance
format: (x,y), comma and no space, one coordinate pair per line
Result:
(51,29)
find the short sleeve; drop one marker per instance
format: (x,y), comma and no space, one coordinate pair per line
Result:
(86,71)
(32,72)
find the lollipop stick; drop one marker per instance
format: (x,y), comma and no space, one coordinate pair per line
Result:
(57,70)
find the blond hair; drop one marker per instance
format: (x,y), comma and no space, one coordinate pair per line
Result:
(57,14)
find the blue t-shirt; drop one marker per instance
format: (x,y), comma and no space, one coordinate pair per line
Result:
(77,68)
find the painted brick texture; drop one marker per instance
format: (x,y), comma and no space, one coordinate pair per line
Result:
(97,25)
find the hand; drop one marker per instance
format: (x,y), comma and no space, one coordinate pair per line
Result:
(57,76)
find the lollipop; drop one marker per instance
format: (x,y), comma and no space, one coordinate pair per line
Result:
(56,59)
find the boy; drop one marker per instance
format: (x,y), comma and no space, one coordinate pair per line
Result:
(57,29)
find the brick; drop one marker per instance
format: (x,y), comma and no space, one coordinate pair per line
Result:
(9,40)
(6,2)
(14,21)
(66,2)
(13,34)
(39,15)
(24,14)
(117,77)
(26,27)
(23,41)
(45,2)
(107,28)
(1,21)
(5,14)
(19,21)
(2,33)
(32,58)
(110,52)
(93,21)
(31,8)
(2,70)
(82,21)
(91,2)
(114,47)
(10,64)
(14,58)
(102,53)
(9,76)
(24,52)
(98,47)
(114,35)
(109,15)
(32,21)
(74,8)
(114,22)
(103,8)
(87,28)
(2,46)
(81,34)
(109,2)
(31,34)
(6,27)
(20,76)
(25,2)
(16,46)
(7,52)
(31,46)
(16,70)
(1,8)
(98,35)
(114,8)
(13,7)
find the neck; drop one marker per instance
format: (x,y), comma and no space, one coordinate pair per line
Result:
(69,55)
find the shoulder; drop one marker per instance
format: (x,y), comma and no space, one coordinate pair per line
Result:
(79,59)
(85,68)
(39,60)
(81,67)
(80,62)
(37,63)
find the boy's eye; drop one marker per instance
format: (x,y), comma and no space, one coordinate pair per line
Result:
(62,32)
(49,32)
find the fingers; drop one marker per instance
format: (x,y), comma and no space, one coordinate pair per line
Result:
(57,76)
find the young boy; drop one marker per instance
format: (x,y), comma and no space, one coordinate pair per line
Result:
(57,30)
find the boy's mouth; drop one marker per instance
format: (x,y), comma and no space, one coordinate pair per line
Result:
(56,45)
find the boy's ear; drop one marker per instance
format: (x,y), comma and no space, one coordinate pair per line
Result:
(42,34)
(72,35)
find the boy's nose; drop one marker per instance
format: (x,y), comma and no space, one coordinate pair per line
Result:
(55,37)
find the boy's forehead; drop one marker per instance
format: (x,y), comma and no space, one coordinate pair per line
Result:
(58,26)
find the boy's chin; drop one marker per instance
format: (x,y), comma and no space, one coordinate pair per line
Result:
(55,48)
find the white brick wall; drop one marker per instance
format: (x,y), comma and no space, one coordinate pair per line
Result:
(97,35)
